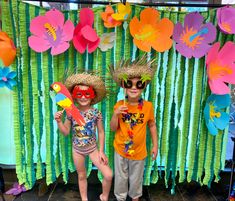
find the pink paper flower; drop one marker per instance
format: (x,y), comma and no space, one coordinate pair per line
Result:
(84,35)
(221,67)
(16,189)
(226,19)
(50,31)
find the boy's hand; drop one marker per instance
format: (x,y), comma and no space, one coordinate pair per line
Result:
(154,153)
(122,109)
(103,158)
(58,116)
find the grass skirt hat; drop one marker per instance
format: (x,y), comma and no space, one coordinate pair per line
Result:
(90,80)
(140,68)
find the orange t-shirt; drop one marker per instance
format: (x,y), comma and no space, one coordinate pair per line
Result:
(138,148)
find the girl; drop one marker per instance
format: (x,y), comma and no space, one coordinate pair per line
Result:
(87,90)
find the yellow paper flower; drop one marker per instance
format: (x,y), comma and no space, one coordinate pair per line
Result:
(124,12)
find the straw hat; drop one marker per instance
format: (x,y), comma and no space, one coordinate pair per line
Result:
(140,68)
(90,80)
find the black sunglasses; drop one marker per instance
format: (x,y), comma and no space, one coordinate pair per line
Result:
(139,84)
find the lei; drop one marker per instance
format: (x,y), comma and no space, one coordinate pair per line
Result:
(131,122)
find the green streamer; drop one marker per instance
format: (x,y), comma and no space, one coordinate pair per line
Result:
(185,116)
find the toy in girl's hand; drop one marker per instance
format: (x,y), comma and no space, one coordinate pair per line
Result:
(64,99)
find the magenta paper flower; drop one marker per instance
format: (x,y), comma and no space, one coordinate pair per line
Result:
(50,31)
(16,190)
(193,38)
(85,36)
(221,67)
(226,19)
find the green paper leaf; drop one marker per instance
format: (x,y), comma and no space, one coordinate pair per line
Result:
(145,77)
(124,77)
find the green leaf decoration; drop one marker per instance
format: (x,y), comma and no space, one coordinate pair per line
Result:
(124,77)
(145,77)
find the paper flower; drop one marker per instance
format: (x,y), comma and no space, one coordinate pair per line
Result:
(84,35)
(193,39)
(106,16)
(7,49)
(107,41)
(150,31)
(6,78)
(226,19)
(213,112)
(124,12)
(221,67)
(50,31)
(16,190)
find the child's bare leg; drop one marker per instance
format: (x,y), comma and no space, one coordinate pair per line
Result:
(106,172)
(79,161)
(136,199)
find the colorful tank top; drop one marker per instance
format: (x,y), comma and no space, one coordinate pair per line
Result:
(85,136)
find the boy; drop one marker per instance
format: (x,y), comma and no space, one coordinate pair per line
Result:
(129,121)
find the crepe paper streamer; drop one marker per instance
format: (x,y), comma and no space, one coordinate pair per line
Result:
(85,37)
(221,67)
(107,41)
(7,78)
(226,19)
(63,99)
(214,116)
(151,31)
(50,31)
(193,38)
(109,21)
(7,49)
(123,13)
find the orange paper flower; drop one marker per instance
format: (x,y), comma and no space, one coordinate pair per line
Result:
(7,49)
(150,31)
(106,16)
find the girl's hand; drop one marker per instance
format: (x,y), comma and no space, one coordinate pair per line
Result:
(58,116)
(103,158)
(122,109)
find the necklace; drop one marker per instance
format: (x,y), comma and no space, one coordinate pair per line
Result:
(131,121)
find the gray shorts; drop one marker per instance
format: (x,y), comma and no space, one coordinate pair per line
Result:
(128,170)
